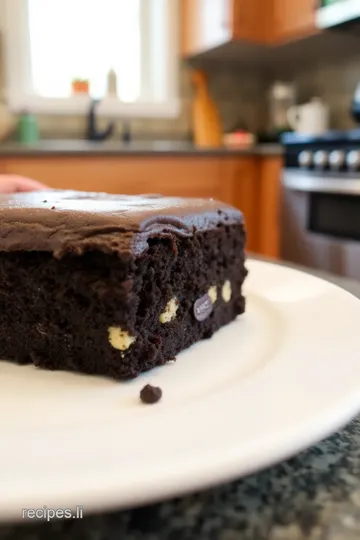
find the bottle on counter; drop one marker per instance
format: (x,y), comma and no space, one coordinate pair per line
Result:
(282,98)
(207,127)
(112,84)
(28,131)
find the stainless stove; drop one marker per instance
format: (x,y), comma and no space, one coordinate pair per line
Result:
(321,202)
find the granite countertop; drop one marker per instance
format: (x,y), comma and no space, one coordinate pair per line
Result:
(118,148)
(313,496)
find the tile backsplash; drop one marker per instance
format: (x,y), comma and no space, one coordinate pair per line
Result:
(335,83)
(240,95)
(237,94)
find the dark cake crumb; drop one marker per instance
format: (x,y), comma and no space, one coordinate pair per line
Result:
(150,394)
(53,208)
(44,201)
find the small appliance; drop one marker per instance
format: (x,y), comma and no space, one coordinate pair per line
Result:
(311,118)
(282,97)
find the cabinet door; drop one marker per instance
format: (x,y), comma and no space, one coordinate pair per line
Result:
(180,176)
(294,19)
(2,166)
(252,20)
(240,187)
(205,24)
(268,208)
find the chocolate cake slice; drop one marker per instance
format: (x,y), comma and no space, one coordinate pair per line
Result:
(115,285)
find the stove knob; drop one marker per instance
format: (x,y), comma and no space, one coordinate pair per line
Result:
(353,160)
(321,159)
(337,159)
(305,158)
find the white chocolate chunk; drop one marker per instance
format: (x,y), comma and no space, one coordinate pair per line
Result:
(226,291)
(169,312)
(212,292)
(120,339)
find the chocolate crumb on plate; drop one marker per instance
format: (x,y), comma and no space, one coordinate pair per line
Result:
(150,394)
(53,208)
(44,201)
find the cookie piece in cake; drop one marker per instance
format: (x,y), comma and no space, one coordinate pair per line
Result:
(115,285)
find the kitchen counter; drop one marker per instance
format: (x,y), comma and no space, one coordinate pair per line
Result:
(313,496)
(115,148)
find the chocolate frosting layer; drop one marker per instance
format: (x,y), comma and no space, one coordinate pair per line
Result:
(64,222)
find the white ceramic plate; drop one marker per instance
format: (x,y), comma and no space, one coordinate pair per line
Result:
(281,377)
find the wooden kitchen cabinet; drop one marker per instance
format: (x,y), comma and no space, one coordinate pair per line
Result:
(252,20)
(169,175)
(293,19)
(252,184)
(240,178)
(207,24)
(268,206)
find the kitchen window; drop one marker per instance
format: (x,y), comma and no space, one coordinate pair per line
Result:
(51,44)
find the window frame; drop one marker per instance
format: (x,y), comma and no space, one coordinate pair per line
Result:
(19,95)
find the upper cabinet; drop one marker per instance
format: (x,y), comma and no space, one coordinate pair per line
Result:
(293,20)
(207,24)
(251,20)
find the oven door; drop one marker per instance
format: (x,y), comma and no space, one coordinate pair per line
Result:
(320,221)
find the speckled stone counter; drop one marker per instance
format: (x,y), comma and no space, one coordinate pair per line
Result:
(117,148)
(313,496)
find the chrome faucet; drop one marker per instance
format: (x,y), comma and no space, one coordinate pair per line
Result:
(92,133)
